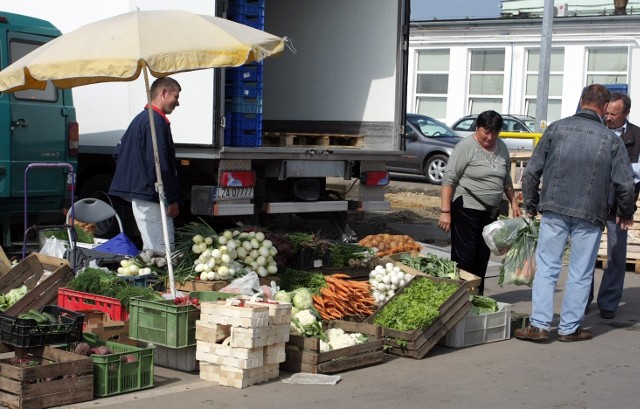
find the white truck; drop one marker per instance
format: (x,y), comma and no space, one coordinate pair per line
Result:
(334,107)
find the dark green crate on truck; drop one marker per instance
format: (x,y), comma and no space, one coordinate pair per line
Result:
(165,324)
(36,126)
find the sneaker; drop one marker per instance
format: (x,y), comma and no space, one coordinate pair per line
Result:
(579,335)
(531,333)
(607,315)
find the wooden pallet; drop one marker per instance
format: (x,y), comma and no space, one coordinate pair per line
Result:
(632,264)
(312,139)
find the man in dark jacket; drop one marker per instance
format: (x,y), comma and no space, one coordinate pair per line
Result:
(612,282)
(135,176)
(579,157)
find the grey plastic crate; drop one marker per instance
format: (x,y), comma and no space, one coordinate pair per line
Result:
(480,329)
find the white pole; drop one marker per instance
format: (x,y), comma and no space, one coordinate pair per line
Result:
(160,185)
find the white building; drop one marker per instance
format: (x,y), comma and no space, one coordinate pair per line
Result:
(460,67)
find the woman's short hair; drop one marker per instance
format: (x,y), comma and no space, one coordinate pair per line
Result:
(490,120)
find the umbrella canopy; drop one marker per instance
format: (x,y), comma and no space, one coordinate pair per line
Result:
(162,42)
(117,48)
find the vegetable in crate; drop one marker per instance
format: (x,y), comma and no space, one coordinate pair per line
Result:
(11,297)
(385,280)
(336,338)
(343,298)
(390,243)
(482,305)
(351,255)
(417,307)
(432,265)
(97,281)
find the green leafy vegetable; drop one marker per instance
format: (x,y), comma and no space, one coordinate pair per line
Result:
(97,281)
(432,265)
(483,305)
(293,279)
(417,306)
(10,298)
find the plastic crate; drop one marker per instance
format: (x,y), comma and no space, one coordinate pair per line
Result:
(78,301)
(236,3)
(180,359)
(255,21)
(480,329)
(26,333)
(112,376)
(249,122)
(308,258)
(165,324)
(235,9)
(252,89)
(140,281)
(241,137)
(247,72)
(243,105)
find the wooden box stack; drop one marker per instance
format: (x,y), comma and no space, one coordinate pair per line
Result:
(242,345)
(633,244)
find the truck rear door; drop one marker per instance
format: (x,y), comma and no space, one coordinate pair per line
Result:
(37,131)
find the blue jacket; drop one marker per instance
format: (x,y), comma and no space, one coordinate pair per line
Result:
(135,174)
(579,157)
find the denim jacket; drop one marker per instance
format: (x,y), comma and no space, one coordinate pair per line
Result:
(579,159)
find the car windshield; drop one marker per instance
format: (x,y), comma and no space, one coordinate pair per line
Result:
(431,128)
(530,122)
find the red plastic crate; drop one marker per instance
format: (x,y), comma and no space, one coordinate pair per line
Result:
(78,301)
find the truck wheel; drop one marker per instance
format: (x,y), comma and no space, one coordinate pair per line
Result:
(98,187)
(434,170)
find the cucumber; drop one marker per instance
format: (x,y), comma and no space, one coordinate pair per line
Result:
(52,318)
(26,316)
(39,317)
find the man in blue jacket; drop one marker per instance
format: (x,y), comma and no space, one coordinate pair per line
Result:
(135,175)
(578,157)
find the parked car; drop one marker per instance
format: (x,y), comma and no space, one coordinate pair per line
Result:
(512,123)
(429,144)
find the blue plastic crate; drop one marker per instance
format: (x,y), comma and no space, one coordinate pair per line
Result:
(249,122)
(247,72)
(256,22)
(236,3)
(243,105)
(240,137)
(243,89)
(236,10)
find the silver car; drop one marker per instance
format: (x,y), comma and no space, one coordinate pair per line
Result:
(512,123)
(429,144)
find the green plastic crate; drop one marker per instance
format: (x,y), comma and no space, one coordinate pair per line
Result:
(112,376)
(165,324)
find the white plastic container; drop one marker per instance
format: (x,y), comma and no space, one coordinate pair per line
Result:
(480,329)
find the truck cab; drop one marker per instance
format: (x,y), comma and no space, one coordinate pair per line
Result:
(36,126)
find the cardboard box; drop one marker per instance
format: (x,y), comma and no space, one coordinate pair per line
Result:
(99,324)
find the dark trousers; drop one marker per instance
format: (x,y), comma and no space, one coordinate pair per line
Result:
(468,248)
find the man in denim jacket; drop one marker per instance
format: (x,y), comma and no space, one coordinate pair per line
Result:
(579,158)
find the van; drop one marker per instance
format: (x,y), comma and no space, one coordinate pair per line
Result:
(36,126)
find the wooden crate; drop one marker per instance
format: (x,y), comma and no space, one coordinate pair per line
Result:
(417,343)
(238,378)
(472,281)
(28,272)
(24,388)
(633,245)
(303,354)
(198,285)
(5,263)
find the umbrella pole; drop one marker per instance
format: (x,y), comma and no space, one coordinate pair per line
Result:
(160,186)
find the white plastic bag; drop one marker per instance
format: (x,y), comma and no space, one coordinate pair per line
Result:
(501,234)
(248,284)
(54,248)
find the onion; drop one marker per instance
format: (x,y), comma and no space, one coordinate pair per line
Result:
(197,239)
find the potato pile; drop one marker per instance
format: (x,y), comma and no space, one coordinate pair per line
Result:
(390,243)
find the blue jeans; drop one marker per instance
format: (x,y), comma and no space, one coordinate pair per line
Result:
(555,230)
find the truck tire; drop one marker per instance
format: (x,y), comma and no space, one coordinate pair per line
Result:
(434,169)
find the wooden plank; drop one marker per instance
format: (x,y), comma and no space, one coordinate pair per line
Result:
(357,361)
(5,263)
(313,139)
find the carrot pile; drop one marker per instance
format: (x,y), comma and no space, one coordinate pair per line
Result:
(342,298)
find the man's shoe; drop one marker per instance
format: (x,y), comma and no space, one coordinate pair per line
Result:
(579,335)
(531,333)
(607,315)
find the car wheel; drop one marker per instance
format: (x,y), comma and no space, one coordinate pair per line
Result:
(434,170)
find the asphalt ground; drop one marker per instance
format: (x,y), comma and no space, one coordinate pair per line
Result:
(603,373)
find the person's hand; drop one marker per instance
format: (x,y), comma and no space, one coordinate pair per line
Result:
(515,209)
(625,224)
(173,210)
(445,222)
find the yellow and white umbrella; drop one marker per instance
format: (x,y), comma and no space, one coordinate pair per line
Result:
(162,42)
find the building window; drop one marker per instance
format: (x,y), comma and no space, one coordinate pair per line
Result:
(432,82)
(607,65)
(486,80)
(554,102)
